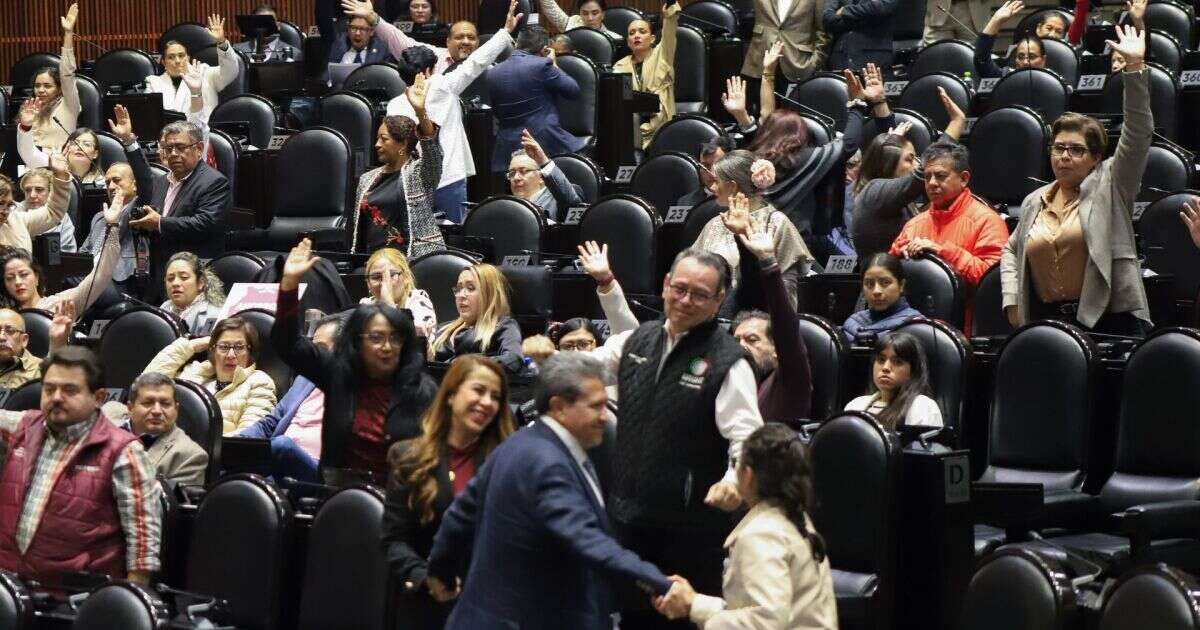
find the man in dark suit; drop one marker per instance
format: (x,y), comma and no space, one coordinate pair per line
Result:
(356,44)
(187,206)
(523,90)
(862,33)
(542,551)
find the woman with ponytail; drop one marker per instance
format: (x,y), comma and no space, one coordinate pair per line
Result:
(778,573)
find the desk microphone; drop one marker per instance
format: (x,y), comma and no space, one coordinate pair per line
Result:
(724,29)
(550,255)
(475,256)
(1036,180)
(956,20)
(102,49)
(644,306)
(822,117)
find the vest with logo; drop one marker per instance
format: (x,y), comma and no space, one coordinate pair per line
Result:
(669,451)
(80,528)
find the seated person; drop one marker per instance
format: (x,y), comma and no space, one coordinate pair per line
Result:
(17,364)
(274,48)
(189,86)
(883,290)
(1029,51)
(535,178)
(710,153)
(899,393)
(153,411)
(958,227)
(35,183)
(18,229)
(83,156)
(653,67)
(294,425)
(537,348)
(55,103)
(591,15)
(119,179)
(194,292)
(483,325)
(577,334)
(1053,25)
(107,508)
(400,290)
(561,44)
(244,392)
(467,420)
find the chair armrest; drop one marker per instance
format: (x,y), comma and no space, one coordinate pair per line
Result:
(240,219)
(327,238)
(1006,505)
(1155,521)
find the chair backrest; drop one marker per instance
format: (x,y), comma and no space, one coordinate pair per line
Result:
(239,545)
(921,94)
(23,72)
(664,178)
(291,34)
(1158,439)
(37,326)
(1173,18)
(1037,88)
(1037,435)
(253,109)
(700,215)
(617,19)
(908,24)
(593,44)
(195,37)
(934,288)
(25,397)
(684,133)
(1156,596)
(312,185)
(948,354)
(234,267)
(200,418)
(1062,58)
(827,354)
(1165,50)
(579,116)
(1008,148)
(531,296)
(826,93)
(819,132)
(691,70)
(91,102)
(345,539)
(268,360)
(951,56)
(922,134)
(123,69)
(121,605)
(111,150)
(227,152)
(583,172)
(630,227)
(153,328)
(513,224)
(436,273)
(1018,588)
(350,113)
(988,319)
(16,606)
(378,82)
(1168,168)
(1169,250)
(241,83)
(719,17)
(1164,98)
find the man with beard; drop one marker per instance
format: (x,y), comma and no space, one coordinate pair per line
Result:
(17,365)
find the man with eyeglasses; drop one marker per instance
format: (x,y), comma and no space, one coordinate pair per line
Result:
(688,399)
(17,365)
(710,153)
(187,205)
(359,44)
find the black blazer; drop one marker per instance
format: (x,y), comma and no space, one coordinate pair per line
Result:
(862,33)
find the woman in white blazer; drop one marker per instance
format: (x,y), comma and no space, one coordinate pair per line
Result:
(190,87)
(778,575)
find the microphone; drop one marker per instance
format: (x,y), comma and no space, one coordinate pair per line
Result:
(956,20)
(475,256)
(551,255)
(1036,180)
(724,29)
(102,49)
(644,306)
(822,117)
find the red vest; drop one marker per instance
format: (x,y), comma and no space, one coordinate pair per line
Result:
(80,528)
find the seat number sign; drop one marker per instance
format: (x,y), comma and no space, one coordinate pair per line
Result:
(624,174)
(1189,78)
(841,264)
(1092,82)
(677,214)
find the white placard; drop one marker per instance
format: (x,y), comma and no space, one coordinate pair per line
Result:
(1091,82)
(1189,78)
(574,215)
(894,88)
(971,120)
(1138,208)
(987,85)
(405,27)
(532,19)
(98,327)
(516,261)
(277,142)
(841,264)
(677,214)
(624,174)
(247,295)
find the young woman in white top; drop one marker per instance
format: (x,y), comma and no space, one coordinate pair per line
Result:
(400,289)
(190,87)
(899,390)
(591,15)
(55,103)
(194,293)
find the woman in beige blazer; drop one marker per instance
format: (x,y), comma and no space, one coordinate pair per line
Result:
(778,575)
(653,67)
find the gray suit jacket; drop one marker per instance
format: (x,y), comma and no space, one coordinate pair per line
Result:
(178,458)
(1112,280)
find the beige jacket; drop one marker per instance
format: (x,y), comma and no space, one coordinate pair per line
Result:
(658,74)
(20,228)
(249,397)
(178,458)
(1112,279)
(772,581)
(26,368)
(47,134)
(805,43)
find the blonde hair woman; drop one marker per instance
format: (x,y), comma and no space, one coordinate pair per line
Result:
(483,325)
(390,281)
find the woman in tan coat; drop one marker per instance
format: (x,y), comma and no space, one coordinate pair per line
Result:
(653,67)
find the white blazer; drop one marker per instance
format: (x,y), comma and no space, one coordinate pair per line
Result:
(215,80)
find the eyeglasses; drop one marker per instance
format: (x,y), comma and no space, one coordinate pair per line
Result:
(170,149)
(519,172)
(377,339)
(1028,57)
(378,277)
(83,144)
(1074,150)
(457,291)
(360,29)
(679,291)
(235,349)
(9,331)
(582,345)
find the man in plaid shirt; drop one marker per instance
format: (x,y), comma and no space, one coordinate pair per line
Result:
(76,493)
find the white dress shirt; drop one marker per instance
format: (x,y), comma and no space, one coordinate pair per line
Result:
(577,453)
(179,98)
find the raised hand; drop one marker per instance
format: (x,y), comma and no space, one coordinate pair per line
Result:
(594,259)
(1002,15)
(194,77)
(737,217)
(61,325)
(122,127)
(1137,12)
(359,8)
(901,129)
(387,291)
(299,261)
(72,16)
(724,496)
(734,98)
(216,28)
(1131,43)
(416,95)
(28,114)
(58,164)
(772,56)
(758,240)
(873,92)
(112,209)
(854,88)
(513,18)
(533,149)
(1191,218)
(957,122)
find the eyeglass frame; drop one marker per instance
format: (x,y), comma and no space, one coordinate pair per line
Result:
(1068,149)
(236,349)
(394,339)
(177,149)
(9,331)
(679,293)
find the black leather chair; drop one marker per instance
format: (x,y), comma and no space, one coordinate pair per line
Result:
(952,56)
(153,328)
(630,227)
(531,297)
(921,95)
(578,117)
(195,38)
(664,178)
(950,360)
(827,354)
(1165,50)
(1156,596)
(583,172)
(1169,250)
(37,326)
(241,83)
(378,82)
(1168,169)
(239,549)
(91,102)
(691,70)
(351,114)
(1017,588)
(437,273)
(16,604)
(1037,88)
(346,539)
(234,267)
(1164,99)
(26,397)
(700,215)
(513,224)
(26,68)
(1028,24)
(617,19)
(260,113)
(934,288)
(1008,147)
(268,360)
(684,133)
(227,153)
(826,93)
(200,418)
(988,318)
(111,150)
(1062,58)
(312,186)
(122,69)
(1173,18)
(122,605)
(922,134)
(855,464)
(819,132)
(291,34)
(719,17)
(593,44)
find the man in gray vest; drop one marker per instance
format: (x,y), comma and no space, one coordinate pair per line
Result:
(688,398)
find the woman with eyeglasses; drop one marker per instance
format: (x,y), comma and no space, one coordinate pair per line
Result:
(534,177)
(51,114)
(35,183)
(1028,52)
(194,292)
(1073,257)
(81,149)
(244,393)
(374,379)
(483,325)
(400,289)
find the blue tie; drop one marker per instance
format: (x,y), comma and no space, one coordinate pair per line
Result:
(358,57)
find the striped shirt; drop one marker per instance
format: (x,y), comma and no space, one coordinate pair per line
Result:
(135,489)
